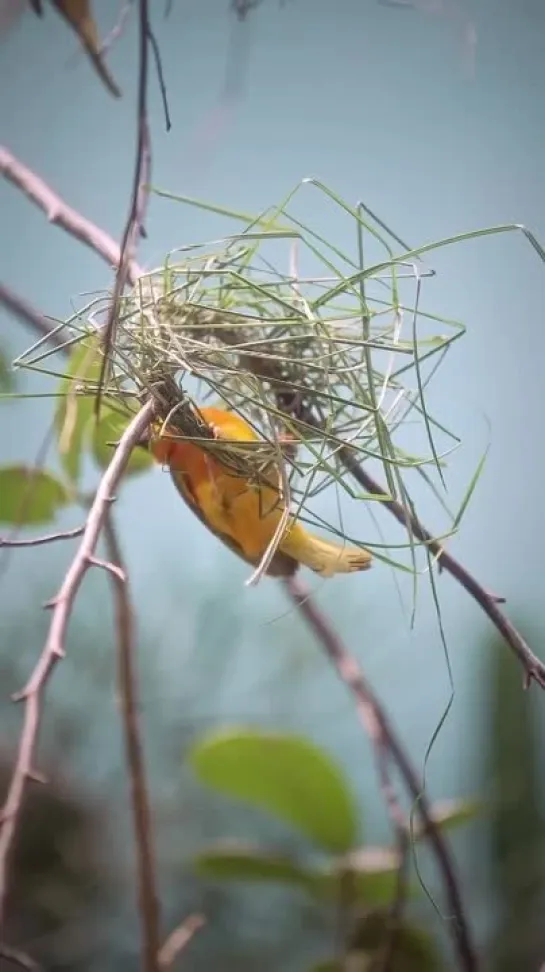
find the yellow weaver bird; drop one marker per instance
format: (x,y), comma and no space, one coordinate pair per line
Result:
(245,514)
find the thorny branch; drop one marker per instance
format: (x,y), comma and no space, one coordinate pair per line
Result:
(54,647)
(387,748)
(178,940)
(128,698)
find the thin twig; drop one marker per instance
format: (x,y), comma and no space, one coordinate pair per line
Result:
(384,740)
(54,647)
(139,197)
(179,939)
(24,311)
(103,244)
(148,899)
(38,541)
(160,77)
(109,567)
(18,958)
(118,29)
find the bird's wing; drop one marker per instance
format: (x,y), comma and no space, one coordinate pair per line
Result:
(281,565)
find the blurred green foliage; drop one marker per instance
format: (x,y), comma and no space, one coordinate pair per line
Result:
(30,497)
(514,754)
(60,871)
(294,780)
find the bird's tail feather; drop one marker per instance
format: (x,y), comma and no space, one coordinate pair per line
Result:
(321,556)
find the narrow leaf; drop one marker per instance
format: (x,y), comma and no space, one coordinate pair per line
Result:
(249,863)
(470,490)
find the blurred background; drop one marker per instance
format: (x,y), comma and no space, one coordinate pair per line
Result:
(433,114)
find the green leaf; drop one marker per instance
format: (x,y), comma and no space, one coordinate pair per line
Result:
(76,406)
(451,813)
(470,489)
(239,862)
(30,496)
(110,427)
(286,775)
(373,871)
